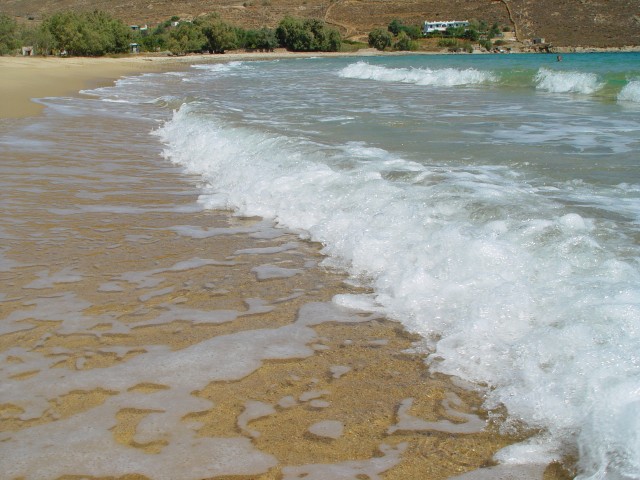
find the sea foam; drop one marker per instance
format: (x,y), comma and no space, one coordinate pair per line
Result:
(555,81)
(445,77)
(507,287)
(630,92)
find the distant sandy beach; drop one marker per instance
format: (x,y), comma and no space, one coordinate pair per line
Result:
(26,78)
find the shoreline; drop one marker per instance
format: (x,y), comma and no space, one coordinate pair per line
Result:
(25,79)
(373,351)
(121,290)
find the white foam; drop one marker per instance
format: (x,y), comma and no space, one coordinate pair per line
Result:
(469,423)
(555,81)
(48,280)
(253,410)
(446,77)
(287,402)
(147,279)
(267,250)
(66,308)
(505,472)
(51,452)
(156,293)
(349,470)
(338,371)
(630,93)
(328,429)
(313,394)
(267,272)
(523,294)
(110,287)
(221,67)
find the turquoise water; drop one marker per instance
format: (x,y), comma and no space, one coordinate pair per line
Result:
(492,202)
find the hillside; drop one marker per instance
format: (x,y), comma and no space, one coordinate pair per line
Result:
(586,23)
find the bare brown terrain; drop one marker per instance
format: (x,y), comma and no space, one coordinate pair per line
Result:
(565,23)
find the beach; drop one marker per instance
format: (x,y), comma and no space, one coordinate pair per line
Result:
(144,336)
(281,266)
(25,78)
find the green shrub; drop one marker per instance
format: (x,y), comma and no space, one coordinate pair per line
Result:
(404,43)
(379,39)
(309,35)
(92,34)
(486,44)
(396,27)
(218,36)
(448,43)
(8,34)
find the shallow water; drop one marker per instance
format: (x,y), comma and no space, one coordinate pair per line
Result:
(493,202)
(489,203)
(143,335)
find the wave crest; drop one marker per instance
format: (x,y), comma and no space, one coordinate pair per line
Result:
(630,92)
(444,77)
(567,82)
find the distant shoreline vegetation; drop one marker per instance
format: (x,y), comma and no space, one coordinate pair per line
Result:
(97,34)
(399,36)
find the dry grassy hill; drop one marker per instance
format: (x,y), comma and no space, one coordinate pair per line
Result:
(594,23)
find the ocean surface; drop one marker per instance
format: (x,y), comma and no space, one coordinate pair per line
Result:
(490,202)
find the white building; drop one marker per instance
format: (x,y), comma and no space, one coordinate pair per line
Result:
(430,27)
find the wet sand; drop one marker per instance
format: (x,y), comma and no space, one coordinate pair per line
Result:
(112,274)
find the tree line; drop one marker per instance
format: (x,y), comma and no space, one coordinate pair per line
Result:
(97,33)
(398,36)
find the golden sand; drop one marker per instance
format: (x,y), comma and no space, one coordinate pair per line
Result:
(365,394)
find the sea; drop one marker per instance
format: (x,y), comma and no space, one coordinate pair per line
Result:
(488,203)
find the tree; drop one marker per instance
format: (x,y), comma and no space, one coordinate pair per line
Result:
(494,31)
(40,40)
(8,34)
(486,44)
(111,35)
(379,39)
(263,39)
(471,34)
(395,26)
(186,37)
(220,36)
(310,35)
(413,31)
(455,32)
(95,33)
(404,42)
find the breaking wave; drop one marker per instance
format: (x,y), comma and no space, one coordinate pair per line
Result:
(630,92)
(445,77)
(567,82)
(533,303)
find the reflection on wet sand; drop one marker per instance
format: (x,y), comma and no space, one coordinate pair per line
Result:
(142,336)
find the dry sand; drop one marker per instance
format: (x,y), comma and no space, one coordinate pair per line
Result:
(365,395)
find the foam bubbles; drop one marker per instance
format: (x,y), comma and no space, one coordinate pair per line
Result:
(630,93)
(327,428)
(521,292)
(371,468)
(444,77)
(567,82)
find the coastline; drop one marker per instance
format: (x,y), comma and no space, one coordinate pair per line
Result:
(379,371)
(26,78)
